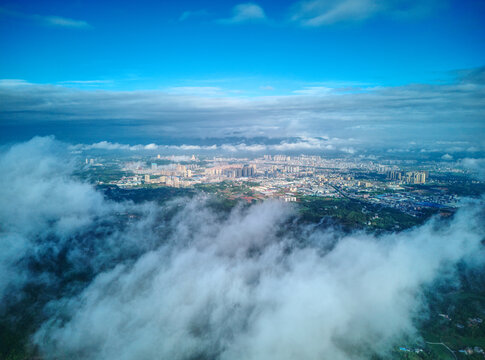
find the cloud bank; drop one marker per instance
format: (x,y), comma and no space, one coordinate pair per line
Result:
(380,116)
(234,290)
(298,144)
(182,280)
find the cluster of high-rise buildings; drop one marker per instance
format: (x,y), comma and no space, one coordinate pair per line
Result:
(232,171)
(188,171)
(174,181)
(178,170)
(409,177)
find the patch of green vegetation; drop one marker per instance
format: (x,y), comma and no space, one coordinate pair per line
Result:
(460,188)
(466,189)
(459,332)
(13,342)
(105,174)
(364,175)
(439,352)
(226,189)
(355,214)
(137,195)
(213,187)
(411,355)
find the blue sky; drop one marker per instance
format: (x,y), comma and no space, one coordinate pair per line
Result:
(355,73)
(247,47)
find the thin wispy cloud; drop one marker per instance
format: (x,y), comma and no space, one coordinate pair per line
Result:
(186,15)
(315,13)
(13,82)
(62,22)
(47,20)
(476,165)
(85,82)
(473,76)
(245,13)
(318,13)
(314,90)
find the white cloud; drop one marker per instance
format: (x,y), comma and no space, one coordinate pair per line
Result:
(475,165)
(244,13)
(71,204)
(447,157)
(106,145)
(181,281)
(297,144)
(314,13)
(349,150)
(206,296)
(48,20)
(314,90)
(13,82)
(85,82)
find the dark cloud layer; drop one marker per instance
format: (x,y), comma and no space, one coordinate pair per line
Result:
(380,115)
(183,281)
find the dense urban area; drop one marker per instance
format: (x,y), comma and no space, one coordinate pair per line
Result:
(389,194)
